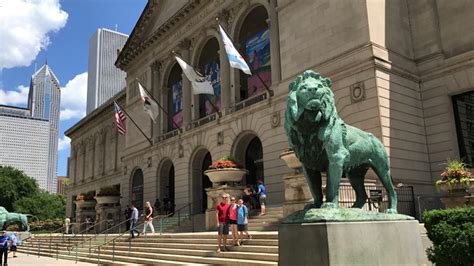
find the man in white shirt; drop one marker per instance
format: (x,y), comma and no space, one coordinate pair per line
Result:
(134,221)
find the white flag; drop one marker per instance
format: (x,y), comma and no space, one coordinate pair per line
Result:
(149,105)
(235,58)
(199,83)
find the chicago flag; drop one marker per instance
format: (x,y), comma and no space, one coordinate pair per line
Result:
(235,58)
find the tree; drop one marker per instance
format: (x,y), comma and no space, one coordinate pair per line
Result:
(14,185)
(42,205)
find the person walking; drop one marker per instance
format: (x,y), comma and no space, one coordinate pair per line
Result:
(134,221)
(148,218)
(128,216)
(262,196)
(14,242)
(222,210)
(233,221)
(67,223)
(4,241)
(242,220)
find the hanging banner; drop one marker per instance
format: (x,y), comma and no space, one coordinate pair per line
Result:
(257,50)
(177,90)
(213,73)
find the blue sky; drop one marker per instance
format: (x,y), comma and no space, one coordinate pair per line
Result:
(33,30)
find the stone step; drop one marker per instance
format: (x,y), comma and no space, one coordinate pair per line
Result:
(151,258)
(264,242)
(150,252)
(211,235)
(244,248)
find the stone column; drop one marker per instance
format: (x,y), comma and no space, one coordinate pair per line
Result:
(155,90)
(184,49)
(274,42)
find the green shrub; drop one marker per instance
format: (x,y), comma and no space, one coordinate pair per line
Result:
(452,234)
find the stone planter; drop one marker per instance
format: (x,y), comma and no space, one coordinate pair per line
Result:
(455,187)
(290,159)
(83,204)
(457,194)
(107,199)
(218,176)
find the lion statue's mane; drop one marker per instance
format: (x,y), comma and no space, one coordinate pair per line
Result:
(323,142)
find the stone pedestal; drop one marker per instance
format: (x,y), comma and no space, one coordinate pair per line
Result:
(297,193)
(84,209)
(351,243)
(107,212)
(213,198)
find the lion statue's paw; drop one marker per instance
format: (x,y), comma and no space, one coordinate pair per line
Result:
(310,206)
(330,205)
(391,211)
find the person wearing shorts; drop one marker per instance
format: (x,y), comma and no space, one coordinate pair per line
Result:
(233,220)
(242,220)
(222,217)
(14,242)
(262,196)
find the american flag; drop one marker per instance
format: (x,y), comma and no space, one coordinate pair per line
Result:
(119,119)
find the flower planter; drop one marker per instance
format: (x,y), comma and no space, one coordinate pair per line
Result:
(82,204)
(291,160)
(107,199)
(225,175)
(455,187)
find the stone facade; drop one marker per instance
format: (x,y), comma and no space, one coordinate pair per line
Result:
(394,66)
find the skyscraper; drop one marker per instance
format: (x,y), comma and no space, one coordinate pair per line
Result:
(44,103)
(29,136)
(104,79)
(24,143)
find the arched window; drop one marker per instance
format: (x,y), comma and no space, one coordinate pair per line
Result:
(254,41)
(254,161)
(175,98)
(166,187)
(137,189)
(209,66)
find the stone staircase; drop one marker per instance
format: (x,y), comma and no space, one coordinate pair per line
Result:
(267,222)
(165,249)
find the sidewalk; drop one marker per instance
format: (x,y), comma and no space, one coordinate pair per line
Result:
(25,260)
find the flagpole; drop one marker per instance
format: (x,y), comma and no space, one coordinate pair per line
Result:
(210,101)
(243,56)
(161,107)
(131,119)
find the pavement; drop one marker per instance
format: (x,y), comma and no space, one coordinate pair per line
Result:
(25,260)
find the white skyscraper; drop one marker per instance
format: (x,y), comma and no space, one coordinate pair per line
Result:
(44,103)
(24,143)
(104,79)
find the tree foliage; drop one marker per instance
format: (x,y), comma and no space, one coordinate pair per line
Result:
(14,186)
(42,205)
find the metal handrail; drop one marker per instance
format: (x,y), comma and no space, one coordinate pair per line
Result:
(94,237)
(82,233)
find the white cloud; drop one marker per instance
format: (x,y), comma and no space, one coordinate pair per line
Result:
(74,98)
(63,143)
(17,97)
(24,29)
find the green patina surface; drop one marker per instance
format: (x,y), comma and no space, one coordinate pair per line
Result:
(323,142)
(7,218)
(343,215)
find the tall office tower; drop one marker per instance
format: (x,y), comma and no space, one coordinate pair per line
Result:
(24,143)
(104,79)
(44,103)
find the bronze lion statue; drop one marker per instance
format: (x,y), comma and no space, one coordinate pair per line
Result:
(323,142)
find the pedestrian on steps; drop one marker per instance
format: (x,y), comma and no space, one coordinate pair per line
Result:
(148,218)
(222,215)
(242,220)
(4,242)
(233,221)
(262,196)
(134,221)
(14,242)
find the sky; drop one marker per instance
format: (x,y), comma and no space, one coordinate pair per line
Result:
(33,31)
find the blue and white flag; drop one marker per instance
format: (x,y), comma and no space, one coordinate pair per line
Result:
(235,58)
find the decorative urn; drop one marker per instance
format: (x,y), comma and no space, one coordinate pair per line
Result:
(225,170)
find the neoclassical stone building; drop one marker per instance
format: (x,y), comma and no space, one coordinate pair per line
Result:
(402,70)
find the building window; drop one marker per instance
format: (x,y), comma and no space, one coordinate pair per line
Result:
(463,105)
